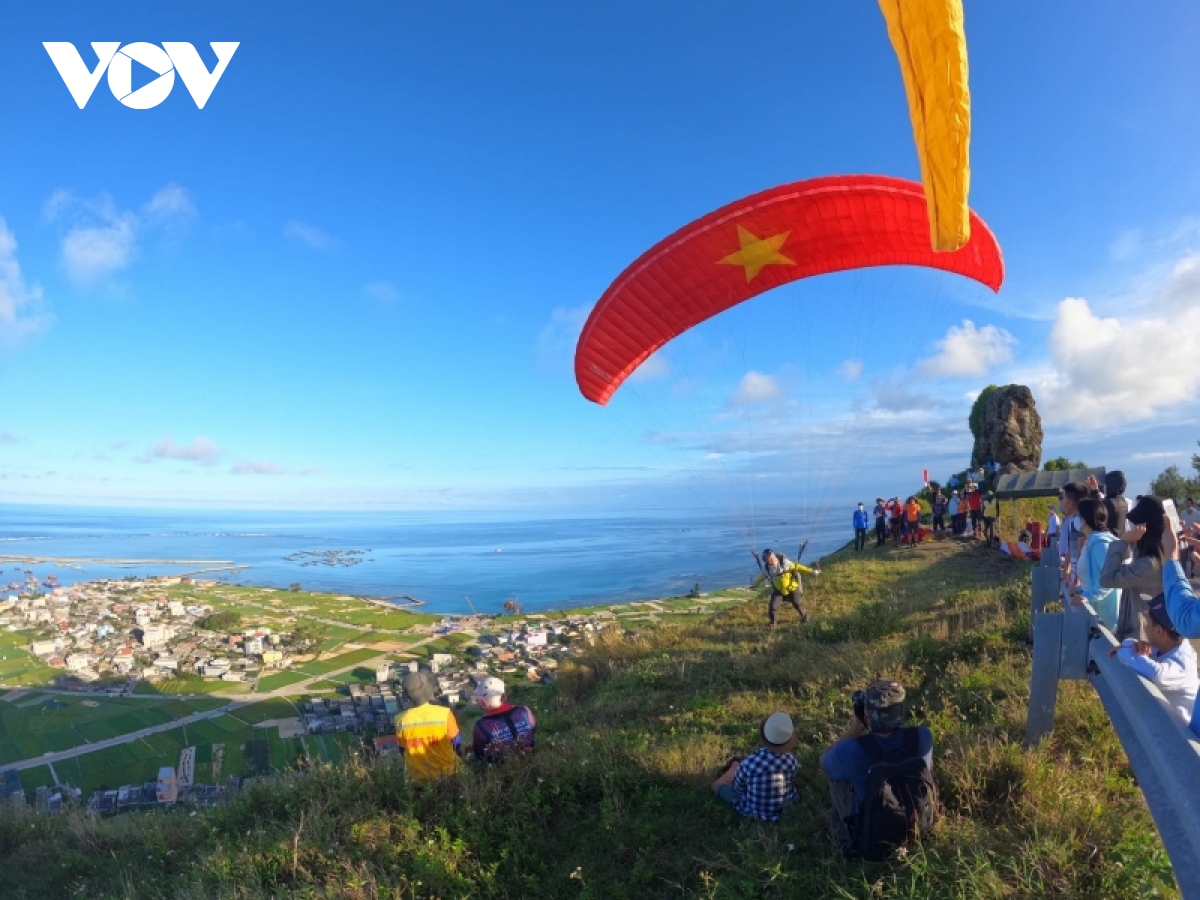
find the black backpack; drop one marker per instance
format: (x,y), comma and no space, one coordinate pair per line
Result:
(901,798)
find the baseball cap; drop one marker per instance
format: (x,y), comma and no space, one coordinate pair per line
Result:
(885,704)
(1158,612)
(489,692)
(777,729)
(419,687)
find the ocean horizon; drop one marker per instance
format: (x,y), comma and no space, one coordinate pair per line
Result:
(547,561)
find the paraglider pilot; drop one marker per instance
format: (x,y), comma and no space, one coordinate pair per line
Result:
(786,586)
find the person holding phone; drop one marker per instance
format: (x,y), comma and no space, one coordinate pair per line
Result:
(1134,565)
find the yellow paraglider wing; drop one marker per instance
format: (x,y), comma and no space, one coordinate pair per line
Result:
(928,38)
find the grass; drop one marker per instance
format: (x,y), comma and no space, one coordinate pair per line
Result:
(615,802)
(333,663)
(61,722)
(191,686)
(280,679)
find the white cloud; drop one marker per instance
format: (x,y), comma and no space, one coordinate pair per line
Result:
(309,235)
(967,351)
(172,203)
(21,305)
(555,345)
(654,368)
(91,252)
(382,292)
(1128,368)
(201,450)
(101,239)
(851,369)
(258,467)
(755,387)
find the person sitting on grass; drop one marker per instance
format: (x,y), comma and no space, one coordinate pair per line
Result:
(877,755)
(428,734)
(504,730)
(761,785)
(1167,660)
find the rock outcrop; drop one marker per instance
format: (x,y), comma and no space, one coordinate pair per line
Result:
(1010,431)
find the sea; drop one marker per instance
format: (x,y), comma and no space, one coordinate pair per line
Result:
(439,558)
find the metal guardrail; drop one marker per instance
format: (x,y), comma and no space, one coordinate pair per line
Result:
(1164,755)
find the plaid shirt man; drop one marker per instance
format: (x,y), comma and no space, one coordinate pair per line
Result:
(764,783)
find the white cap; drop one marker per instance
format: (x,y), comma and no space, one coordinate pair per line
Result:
(489,692)
(778,728)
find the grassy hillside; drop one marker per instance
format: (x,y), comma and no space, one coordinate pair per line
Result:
(615,803)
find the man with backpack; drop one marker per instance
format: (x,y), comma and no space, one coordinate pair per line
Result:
(881,776)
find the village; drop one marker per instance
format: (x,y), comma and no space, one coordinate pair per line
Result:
(247,647)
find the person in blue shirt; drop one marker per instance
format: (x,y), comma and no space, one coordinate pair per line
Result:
(846,763)
(860,528)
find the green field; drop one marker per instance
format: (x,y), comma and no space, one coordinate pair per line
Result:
(191,686)
(17,665)
(40,723)
(139,760)
(324,666)
(280,679)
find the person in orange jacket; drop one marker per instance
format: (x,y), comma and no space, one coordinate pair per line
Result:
(912,520)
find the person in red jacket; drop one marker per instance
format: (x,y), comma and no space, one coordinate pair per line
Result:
(974,502)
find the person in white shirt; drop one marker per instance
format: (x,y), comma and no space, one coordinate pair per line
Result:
(1052,524)
(1070,534)
(1167,660)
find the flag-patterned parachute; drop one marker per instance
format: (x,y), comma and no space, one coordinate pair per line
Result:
(752,245)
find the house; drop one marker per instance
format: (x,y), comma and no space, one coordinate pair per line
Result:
(387,745)
(166,662)
(272,657)
(535,638)
(167,789)
(383,673)
(252,646)
(78,661)
(43,648)
(175,608)
(156,635)
(232,676)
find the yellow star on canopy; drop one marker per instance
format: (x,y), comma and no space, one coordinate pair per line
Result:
(756,253)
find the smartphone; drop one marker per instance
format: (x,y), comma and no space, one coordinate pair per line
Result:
(1173,515)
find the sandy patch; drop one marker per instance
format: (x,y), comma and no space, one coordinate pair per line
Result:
(287,727)
(388,646)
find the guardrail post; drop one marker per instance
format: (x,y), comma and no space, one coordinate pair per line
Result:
(1043,684)
(1076,634)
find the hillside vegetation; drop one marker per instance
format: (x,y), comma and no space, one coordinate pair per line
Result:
(615,802)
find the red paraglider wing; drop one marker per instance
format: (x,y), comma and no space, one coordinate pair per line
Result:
(750,246)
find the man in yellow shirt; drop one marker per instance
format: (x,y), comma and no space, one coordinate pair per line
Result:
(428,734)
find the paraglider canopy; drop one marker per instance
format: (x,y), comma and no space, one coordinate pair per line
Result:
(750,246)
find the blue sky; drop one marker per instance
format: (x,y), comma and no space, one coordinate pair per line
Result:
(354,278)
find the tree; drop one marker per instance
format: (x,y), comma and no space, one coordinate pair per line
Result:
(308,632)
(1173,484)
(975,419)
(225,620)
(1062,464)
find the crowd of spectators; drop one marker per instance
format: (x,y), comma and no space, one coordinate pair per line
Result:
(1130,564)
